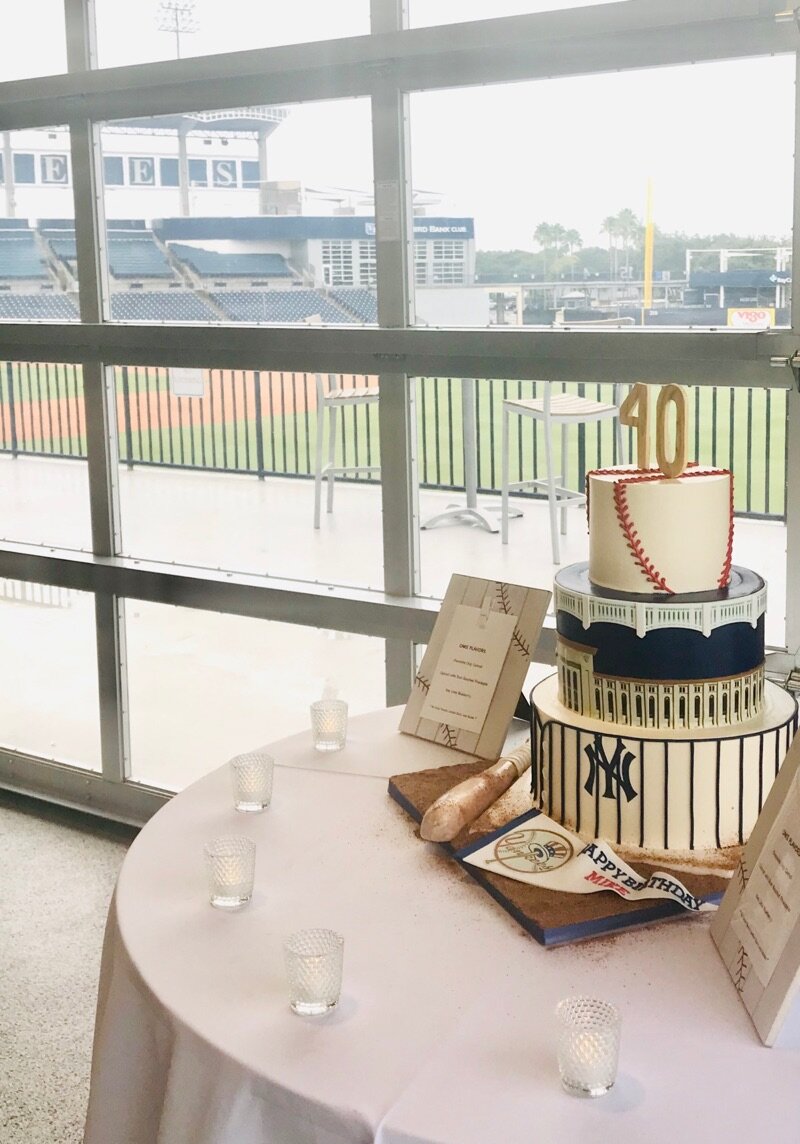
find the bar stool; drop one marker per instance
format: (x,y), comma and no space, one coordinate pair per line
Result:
(333,398)
(552,409)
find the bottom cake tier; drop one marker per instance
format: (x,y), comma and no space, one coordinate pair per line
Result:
(663,792)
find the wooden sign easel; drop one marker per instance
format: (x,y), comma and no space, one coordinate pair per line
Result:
(757,926)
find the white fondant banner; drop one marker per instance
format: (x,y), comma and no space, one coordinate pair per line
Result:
(541,852)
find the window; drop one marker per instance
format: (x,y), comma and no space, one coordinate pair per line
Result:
(251,176)
(222,27)
(337,263)
(48,673)
(36,43)
(198,172)
(168,170)
(584,254)
(43,439)
(113,171)
(219,705)
(24,169)
(424,13)
(229,456)
(367,266)
(448,263)
(256,254)
(420,263)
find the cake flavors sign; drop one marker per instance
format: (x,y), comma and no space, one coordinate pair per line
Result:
(535,849)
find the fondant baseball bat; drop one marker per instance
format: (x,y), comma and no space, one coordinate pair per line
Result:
(452,811)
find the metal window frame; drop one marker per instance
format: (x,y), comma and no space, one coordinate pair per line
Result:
(384,66)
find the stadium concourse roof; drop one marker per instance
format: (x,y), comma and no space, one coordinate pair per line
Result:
(219,122)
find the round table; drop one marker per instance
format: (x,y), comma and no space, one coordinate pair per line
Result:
(444,1032)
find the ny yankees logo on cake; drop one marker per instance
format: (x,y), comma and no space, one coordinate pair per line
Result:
(533,851)
(616,770)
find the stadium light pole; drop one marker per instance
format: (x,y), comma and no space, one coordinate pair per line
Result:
(177,16)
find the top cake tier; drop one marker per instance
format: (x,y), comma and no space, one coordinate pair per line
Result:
(652,533)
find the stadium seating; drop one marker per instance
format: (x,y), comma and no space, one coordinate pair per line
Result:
(37,307)
(130,255)
(62,243)
(19,256)
(213,264)
(283,306)
(137,256)
(362,304)
(161,306)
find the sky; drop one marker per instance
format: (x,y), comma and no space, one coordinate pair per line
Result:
(716,140)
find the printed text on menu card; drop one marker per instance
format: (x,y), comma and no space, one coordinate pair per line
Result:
(469,668)
(770,904)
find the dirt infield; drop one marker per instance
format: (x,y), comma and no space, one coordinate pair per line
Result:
(147,403)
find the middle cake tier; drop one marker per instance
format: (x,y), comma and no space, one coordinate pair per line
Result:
(680,661)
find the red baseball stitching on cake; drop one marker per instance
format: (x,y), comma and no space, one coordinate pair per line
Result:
(607,473)
(637,476)
(632,474)
(725,574)
(632,536)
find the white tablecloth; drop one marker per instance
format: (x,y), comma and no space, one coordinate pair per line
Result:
(444,1031)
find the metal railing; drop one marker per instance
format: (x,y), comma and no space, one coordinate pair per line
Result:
(265,423)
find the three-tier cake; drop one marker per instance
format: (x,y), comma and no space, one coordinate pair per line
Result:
(659,731)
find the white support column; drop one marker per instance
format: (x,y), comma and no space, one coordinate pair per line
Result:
(183,171)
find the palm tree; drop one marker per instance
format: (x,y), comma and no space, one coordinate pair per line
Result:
(558,235)
(544,236)
(572,242)
(611,228)
(629,229)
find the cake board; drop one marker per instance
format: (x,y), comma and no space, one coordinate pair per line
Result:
(551,918)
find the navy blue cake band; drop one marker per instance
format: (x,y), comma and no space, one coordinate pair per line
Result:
(695,636)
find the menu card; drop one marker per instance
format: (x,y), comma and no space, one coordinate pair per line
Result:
(469,681)
(757,927)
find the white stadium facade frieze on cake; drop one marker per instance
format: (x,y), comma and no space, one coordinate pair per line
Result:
(691,661)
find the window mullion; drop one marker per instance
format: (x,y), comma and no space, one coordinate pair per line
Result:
(793,420)
(393,241)
(98,395)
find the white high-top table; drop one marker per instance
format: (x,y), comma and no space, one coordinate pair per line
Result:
(444,1033)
